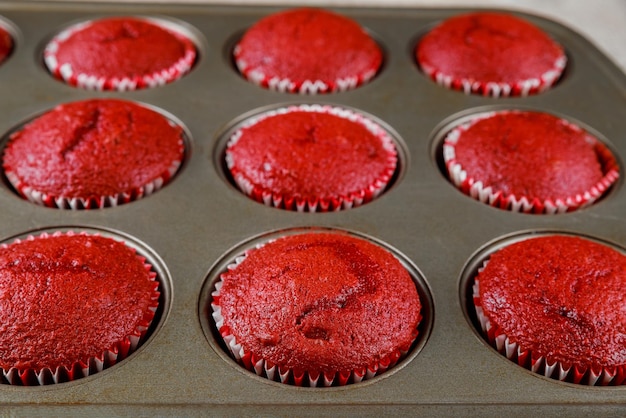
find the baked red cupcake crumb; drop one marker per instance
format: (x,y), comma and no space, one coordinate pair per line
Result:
(311,158)
(555,305)
(93,154)
(71,304)
(317,309)
(307,50)
(121,53)
(529,162)
(493,54)
(6,43)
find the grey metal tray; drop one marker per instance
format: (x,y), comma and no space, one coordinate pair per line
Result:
(189,225)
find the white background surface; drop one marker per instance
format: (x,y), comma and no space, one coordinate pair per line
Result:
(603,22)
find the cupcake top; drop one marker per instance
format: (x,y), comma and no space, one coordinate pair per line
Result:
(92,150)
(321,157)
(69,298)
(320,302)
(6,44)
(121,53)
(308,51)
(560,297)
(492,54)
(535,156)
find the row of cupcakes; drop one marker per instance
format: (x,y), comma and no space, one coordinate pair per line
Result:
(311,307)
(309,51)
(312,158)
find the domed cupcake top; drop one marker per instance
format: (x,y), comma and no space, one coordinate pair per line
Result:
(307,50)
(311,158)
(528,161)
(490,53)
(119,53)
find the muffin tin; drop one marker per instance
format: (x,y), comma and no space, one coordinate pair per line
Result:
(194,224)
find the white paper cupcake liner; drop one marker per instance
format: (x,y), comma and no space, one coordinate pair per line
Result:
(520,88)
(288,85)
(77,203)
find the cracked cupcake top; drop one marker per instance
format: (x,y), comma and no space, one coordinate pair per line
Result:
(68,298)
(93,148)
(561,297)
(320,302)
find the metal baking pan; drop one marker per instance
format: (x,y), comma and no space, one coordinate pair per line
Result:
(192,224)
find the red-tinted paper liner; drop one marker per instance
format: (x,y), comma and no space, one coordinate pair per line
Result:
(307,378)
(287,85)
(476,189)
(65,72)
(94,202)
(88,366)
(544,365)
(318,204)
(498,89)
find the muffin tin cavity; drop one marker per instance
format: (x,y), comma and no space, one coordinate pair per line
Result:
(509,348)
(263,189)
(123,38)
(208,316)
(129,345)
(444,155)
(89,133)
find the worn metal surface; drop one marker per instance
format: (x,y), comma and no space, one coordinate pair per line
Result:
(200,217)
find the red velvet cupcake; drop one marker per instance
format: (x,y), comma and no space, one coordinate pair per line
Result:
(307,50)
(317,309)
(71,305)
(6,43)
(530,162)
(311,158)
(492,54)
(93,154)
(555,305)
(122,53)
